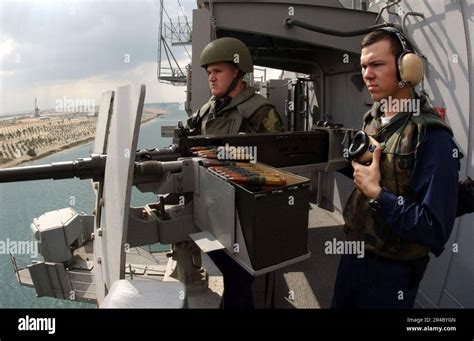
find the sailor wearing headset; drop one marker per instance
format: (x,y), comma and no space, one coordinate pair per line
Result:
(404,203)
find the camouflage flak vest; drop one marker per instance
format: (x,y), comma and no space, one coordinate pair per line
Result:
(230,118)
(400,138)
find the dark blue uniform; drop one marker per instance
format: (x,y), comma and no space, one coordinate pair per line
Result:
(376,282)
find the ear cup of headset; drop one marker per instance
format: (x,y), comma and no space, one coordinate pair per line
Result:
(410,68)
(409,65)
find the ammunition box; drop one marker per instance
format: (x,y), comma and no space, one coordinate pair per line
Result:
(274,220)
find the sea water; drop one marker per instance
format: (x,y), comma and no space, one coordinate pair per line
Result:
(21,202)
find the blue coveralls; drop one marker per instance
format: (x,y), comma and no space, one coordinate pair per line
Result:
(376,282)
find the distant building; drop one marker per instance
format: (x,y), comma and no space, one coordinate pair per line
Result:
(36,114)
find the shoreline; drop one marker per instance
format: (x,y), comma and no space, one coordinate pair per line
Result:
(60,148)
(16,162)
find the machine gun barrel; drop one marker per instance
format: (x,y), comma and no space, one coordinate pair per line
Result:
(86,168)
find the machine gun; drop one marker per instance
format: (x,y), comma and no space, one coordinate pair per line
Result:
(263,228)
(321,147)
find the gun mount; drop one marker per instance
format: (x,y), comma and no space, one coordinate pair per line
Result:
(322,146)
(262,227)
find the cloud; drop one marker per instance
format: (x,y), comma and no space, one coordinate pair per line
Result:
(52,48)
(91,89)
(61,45)
(6,48)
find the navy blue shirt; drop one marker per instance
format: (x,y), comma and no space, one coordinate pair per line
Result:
(430,218)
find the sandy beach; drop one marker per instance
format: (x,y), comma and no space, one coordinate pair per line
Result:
(26,139)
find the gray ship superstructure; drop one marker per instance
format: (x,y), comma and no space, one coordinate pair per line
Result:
(105,256)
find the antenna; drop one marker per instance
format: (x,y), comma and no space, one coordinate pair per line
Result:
(172,34)
(36,113)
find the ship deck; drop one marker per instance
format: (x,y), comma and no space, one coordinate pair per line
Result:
(310,283)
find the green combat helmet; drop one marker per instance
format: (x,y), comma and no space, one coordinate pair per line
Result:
(227,50)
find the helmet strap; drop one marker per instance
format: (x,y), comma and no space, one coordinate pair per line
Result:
(232,85)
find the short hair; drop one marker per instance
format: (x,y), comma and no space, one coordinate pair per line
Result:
(378,35)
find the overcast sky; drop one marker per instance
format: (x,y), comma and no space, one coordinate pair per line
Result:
(55,48)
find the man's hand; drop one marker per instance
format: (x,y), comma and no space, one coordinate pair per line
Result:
(367,178)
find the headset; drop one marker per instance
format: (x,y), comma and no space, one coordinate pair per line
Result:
(409,64)
(362,148)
